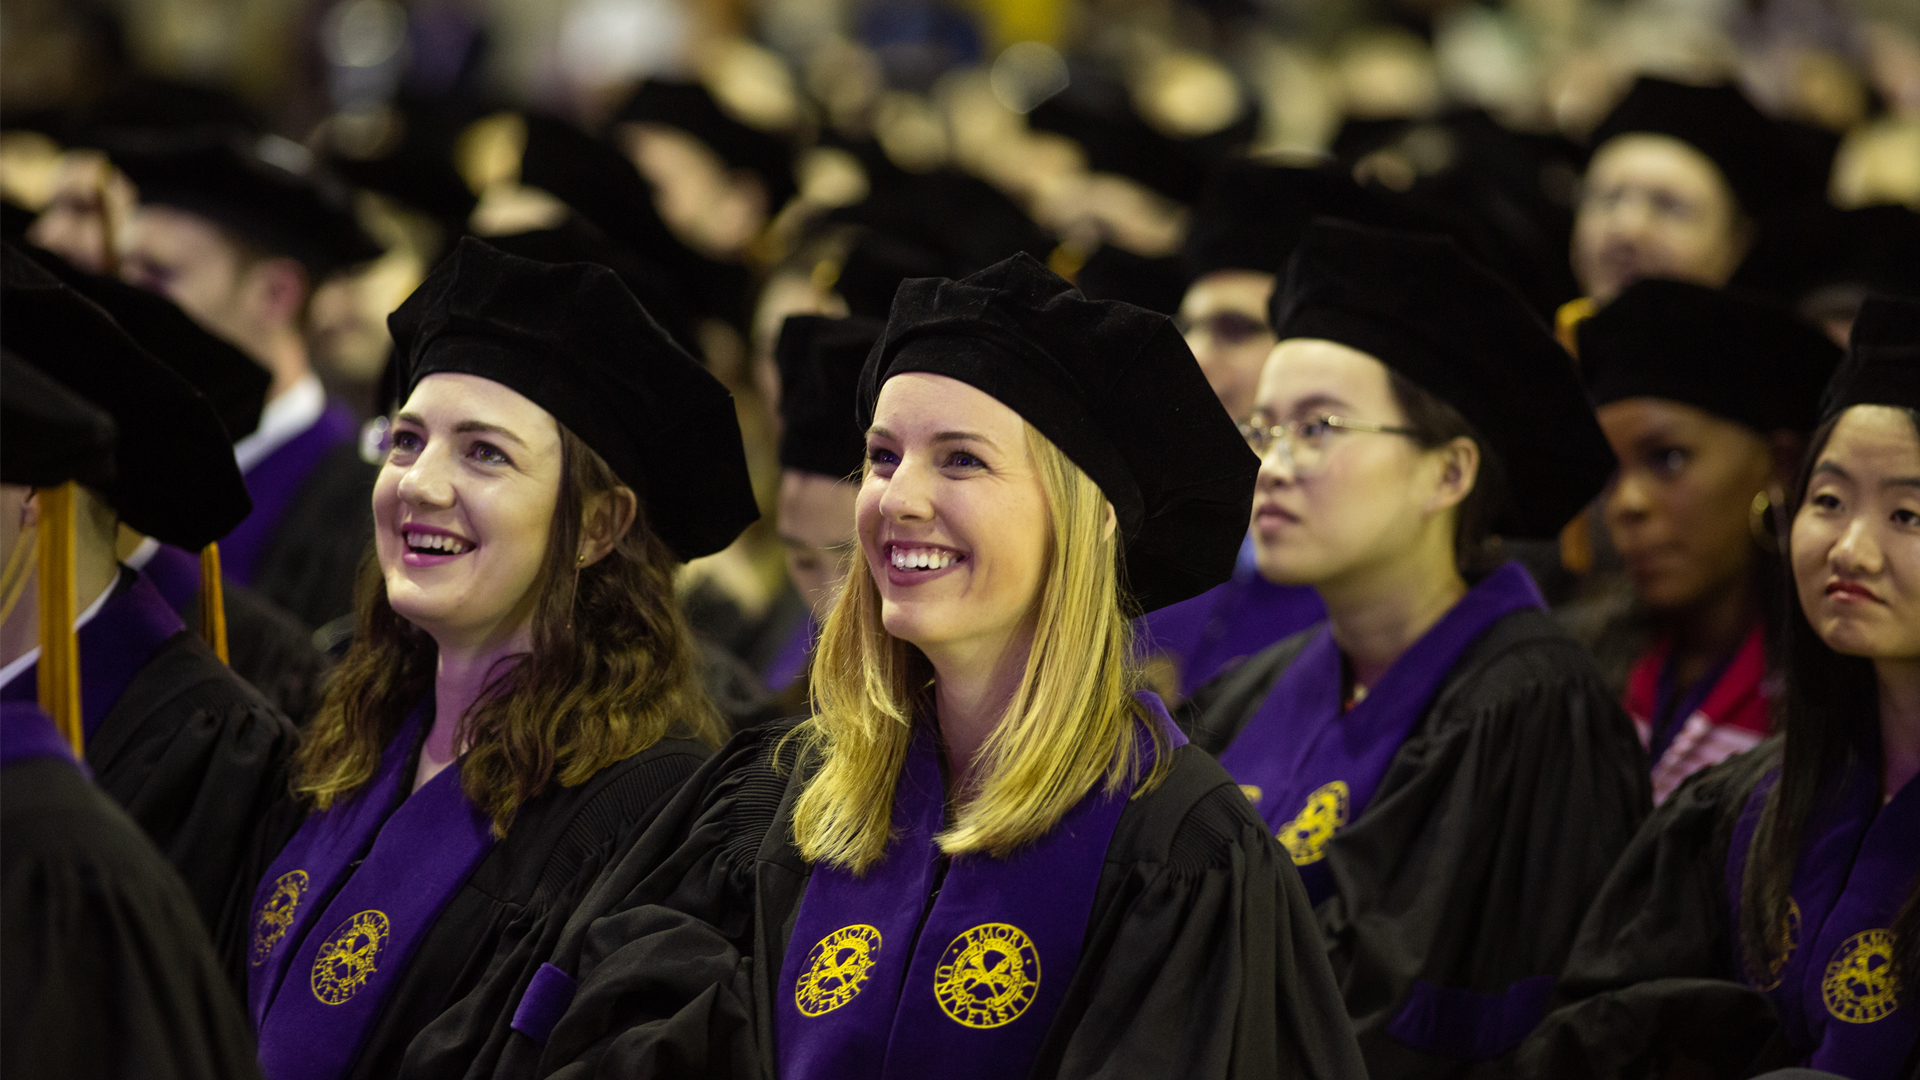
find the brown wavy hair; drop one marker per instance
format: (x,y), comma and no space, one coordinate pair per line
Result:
(613,670)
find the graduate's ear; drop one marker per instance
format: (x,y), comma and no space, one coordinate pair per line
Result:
(1113,522)
(1459,468)
(276,289)
(608,517)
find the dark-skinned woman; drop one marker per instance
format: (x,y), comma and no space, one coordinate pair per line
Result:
(1707,397)
(1445,766)
(1768,914)
(521,690)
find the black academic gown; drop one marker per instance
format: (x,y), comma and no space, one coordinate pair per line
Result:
(1492,829)
(310,564)
(1200,958)
(105,970)
(522,891)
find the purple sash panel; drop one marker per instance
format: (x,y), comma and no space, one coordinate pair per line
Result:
(27,734)
(1835,992)
(176,574)
(341,976)
(877,983)
(114,645)
(1230,622)
(1311,769)
(543,1003)
(791,660)
(1466,1024)
(275,482)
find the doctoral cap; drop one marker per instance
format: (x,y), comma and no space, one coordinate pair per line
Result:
(1757,161)
(174,473)
(1251,215)
(820,359)
(1736,356)
(1417,304)
(1883,358)
(572,339)
(690,107)
(48,434)
(1113,386)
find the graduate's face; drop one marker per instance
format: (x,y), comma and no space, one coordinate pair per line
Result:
(463,507)
(1224,318)
(1364,500)
(1856,539)
(953,521)
(816,528)
(252,302)
(1680,506)
(1653,206)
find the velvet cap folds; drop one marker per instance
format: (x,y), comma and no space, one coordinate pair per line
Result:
(174,474)
(48,434)
(1113,386)
(820,360)
(691,107)
(1417,304)
(1883,358)
(1251,215)
(573,340)
(1721,123)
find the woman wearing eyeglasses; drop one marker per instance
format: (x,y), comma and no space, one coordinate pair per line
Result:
(1446,767)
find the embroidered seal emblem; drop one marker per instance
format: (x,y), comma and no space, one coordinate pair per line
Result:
(1859,986)
(270,923)
(1306,836)
(1786,938)
(349,958)
(1252,792)
(988,976)
(837,968)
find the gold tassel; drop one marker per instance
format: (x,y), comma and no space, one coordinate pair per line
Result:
(1576,540)
(59,665)
(213,603)
(1567,320)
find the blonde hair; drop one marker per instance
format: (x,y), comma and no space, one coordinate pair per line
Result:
(1071,724)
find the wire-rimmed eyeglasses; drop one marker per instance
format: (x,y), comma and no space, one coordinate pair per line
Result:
(1304,442)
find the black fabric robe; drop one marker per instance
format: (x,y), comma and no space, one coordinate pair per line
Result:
(1491,830)
(310,564)
(524,888)
(105,970)
(1200,959)
(1651,977)
(270,649)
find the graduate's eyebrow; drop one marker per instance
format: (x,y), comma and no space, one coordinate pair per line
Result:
(944,436)
(1309,404)
(466,427)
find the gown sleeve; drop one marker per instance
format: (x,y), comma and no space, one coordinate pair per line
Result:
(107,970)
(1202,957)
(1651,973)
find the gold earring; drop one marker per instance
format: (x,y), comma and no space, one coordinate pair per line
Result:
(1758,511)
(582,559)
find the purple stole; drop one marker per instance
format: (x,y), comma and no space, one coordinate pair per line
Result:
(1832,977)
(176,573)
(339,914)
(114,645)
(788,664)
(275,482)
(1229,622)
(27,734)
(878,982)
(1310,768)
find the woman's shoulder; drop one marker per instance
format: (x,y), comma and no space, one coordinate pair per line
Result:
(1193,820)
(1523,658)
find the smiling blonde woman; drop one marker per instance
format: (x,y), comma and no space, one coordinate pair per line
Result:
(987,852)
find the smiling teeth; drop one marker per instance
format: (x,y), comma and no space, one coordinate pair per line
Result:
(435,542)
(922,559)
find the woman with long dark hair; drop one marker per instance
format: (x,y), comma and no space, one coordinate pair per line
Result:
(1769,913)
(522,690)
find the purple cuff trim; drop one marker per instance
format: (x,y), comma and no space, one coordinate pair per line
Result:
(1465,1024)
(545,1001)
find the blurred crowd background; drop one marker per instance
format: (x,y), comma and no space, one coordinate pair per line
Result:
(739,161)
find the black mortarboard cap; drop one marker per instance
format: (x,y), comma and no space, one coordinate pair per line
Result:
(1416,303)
(1113,386)
(231,382)
(1875,248)
(574,341)
(1156,283)
(413,164)
(1251,214)
(577,240)
(48,434)
(1756,159)
(1736,356)
(1882,366)
(690,107)
(820,359)
(304,216)
(174,473)
(1099,115)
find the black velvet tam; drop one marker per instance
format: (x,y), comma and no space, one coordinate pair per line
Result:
(174,474)
(1736,356)
(48,434)
(231,382)
(820,360)
(574,341)
(1113,386)
(1251,215)
(690,107)
(1417,304)
(1756,159)
(305,216)
(1883,358)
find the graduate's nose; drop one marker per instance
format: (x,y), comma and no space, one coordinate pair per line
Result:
(1856,553)
(428,482)
(1627,498)
(909,494)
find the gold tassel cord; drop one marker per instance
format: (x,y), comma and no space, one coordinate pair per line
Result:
(213,606)
(1576,540)
(59,665)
